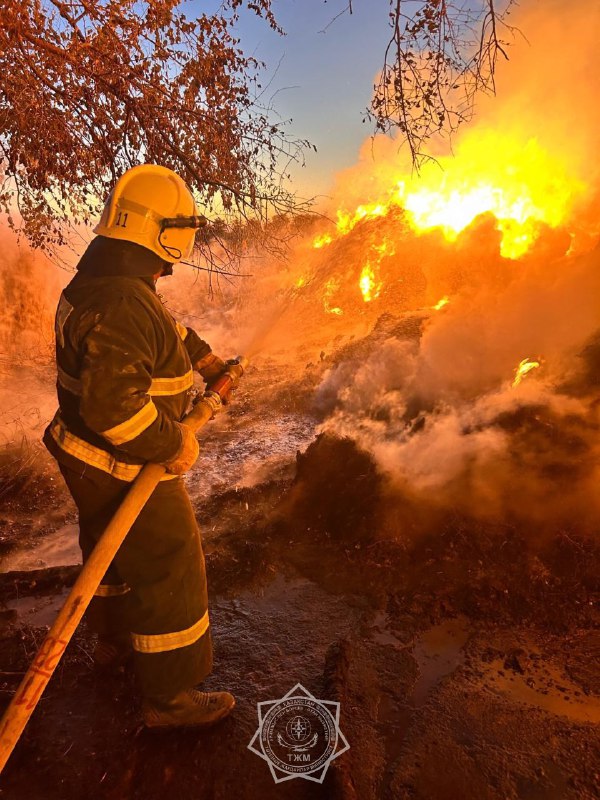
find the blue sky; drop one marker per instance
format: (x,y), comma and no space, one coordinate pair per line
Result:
(324,81)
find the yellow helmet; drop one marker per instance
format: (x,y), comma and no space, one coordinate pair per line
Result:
(153,207)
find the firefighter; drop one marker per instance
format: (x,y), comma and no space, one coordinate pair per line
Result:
(125,371)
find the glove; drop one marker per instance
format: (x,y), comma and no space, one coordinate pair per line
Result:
(211,367)
(186,455)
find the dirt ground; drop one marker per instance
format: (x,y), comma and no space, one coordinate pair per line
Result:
(465,661)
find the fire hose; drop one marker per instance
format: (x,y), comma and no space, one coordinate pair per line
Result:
(46,660)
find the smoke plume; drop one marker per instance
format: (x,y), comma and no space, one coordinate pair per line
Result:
(447,322)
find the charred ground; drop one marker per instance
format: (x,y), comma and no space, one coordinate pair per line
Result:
(448,641)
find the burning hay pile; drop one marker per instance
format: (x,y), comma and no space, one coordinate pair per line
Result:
(456,312)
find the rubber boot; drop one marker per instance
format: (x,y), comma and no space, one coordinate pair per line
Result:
(189,708)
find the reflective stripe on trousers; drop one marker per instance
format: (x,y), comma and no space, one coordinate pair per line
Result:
(162,564)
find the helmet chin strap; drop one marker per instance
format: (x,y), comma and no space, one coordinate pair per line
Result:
(174,252)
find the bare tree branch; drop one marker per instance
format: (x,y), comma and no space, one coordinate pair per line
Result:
(439,56)
(89,89)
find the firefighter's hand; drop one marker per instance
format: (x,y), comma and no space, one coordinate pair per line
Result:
(187,454)
(211,367)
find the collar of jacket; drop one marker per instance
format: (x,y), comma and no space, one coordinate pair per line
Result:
(107,258)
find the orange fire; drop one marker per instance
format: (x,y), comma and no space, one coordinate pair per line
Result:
(369,285)
(525,367)
(322,241)
(441,303)
(520,184)
(346,222)
(517,181)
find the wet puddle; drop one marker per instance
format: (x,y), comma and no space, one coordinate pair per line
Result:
(380,633)
(544,686)
(395,722)
(57,549)
(288,625)
(37,611)
(438,653)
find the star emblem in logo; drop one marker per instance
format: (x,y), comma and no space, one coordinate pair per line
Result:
(298,736)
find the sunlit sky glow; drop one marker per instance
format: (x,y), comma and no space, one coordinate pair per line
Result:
(320,79)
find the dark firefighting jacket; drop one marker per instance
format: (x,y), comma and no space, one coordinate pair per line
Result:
(124,365)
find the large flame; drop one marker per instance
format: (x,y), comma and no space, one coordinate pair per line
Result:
(521,186)
(526,162)
(517,181)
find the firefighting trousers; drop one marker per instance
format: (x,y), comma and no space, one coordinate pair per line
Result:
(155,589)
